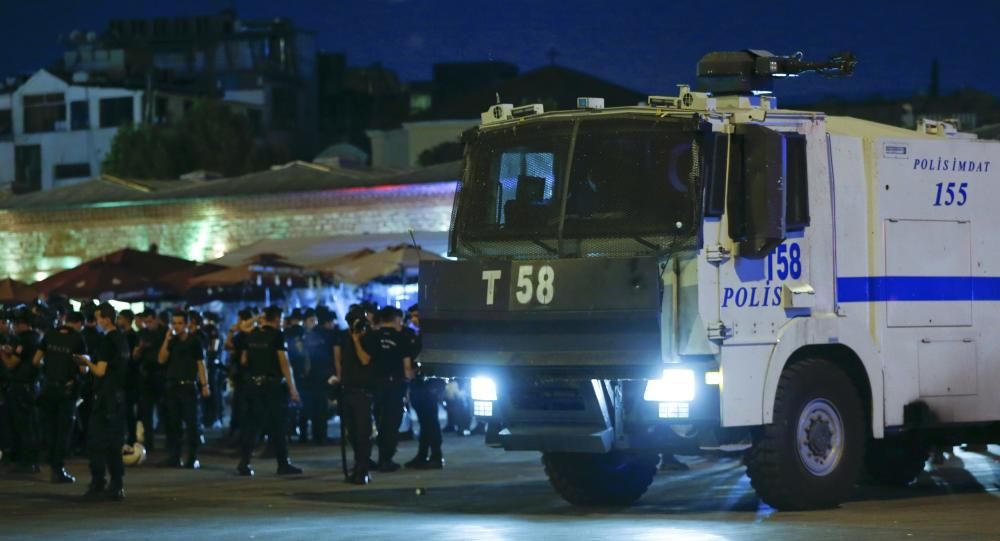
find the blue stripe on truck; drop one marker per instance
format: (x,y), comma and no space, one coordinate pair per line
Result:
(917,288)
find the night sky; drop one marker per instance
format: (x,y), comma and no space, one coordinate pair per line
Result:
(646,45)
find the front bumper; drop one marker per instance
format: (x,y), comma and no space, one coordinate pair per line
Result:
(593,416)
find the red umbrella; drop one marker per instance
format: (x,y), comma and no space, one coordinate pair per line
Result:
(126,274)
(14,292)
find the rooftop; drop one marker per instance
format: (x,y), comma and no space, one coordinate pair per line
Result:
(294,177)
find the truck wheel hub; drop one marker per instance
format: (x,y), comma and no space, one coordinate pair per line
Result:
(820,437)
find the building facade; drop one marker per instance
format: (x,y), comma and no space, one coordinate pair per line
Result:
(203,221)
(401,147)
(55,132)
(268,66)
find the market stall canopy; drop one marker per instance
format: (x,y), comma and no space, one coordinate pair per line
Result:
(14,292)
(264,270)
(330,264)
(179,280)
(124,275)
(397,262)
(313,251)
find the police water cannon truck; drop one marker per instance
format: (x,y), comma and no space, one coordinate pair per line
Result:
(707,271)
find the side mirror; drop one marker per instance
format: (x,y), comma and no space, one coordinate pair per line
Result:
(764,185)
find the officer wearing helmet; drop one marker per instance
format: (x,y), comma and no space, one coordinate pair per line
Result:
(6,432)
(270,385)
(106,429)
(58,356)
(186,378)
(295,334)
(22,389)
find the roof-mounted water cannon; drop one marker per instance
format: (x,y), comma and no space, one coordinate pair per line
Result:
(753,71)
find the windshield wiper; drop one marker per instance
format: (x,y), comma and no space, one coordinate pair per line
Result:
(544,246)
(647,244)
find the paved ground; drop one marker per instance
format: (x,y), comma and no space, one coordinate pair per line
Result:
(484,494)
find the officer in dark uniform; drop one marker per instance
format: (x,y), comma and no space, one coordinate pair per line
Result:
(393,367)
(236,344)
(356,374)
(93,337)
(151,338)
(22,389)
(320,341)
(124,323)
(426,394)
(270,385)
(60,389)
(6,431)
(106,429)
(295,334)
(184,357)
(310,317)
(216,372)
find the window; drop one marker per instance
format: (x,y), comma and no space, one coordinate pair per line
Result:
(713,170)
(511,185)
(6,122)
(44,112)
(734,193)
(71,170)
(116,112)
(631,177)
(79,115)
(796,185)
(27,168)
(161,110)
(797,206)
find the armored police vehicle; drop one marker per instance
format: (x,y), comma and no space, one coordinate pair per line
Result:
(708,271)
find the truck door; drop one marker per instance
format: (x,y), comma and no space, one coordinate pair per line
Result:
(770,279)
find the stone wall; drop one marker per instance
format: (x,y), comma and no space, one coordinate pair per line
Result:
(40,242)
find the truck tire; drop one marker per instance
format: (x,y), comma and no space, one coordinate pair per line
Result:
(809,457)
(895,462)
(616,478)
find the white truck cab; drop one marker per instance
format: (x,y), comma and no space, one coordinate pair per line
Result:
(709,270)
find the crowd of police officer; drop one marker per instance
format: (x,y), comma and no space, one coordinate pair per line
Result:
(99,380)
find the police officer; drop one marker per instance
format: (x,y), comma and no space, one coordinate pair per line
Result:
(270,385)
(320,342)
(295,334)
(106,428)
(146,352)
(235,345)
(124,322)
(356,374)
(6,431)
(393,367)
(57,354)
(92,336)
(184,357)
(425,395)
(216,372)
(22,389)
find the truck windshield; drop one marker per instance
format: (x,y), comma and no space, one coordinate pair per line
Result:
(628,177)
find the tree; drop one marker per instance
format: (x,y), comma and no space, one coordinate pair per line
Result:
(148,151)
(449,151)
(219,139)
(209,137)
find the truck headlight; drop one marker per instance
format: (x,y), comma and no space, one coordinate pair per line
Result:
(484,389)
(676,385)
